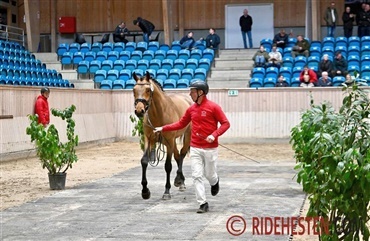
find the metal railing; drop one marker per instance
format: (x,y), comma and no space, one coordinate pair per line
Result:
(10,33)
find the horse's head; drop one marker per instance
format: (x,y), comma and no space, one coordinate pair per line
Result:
(143,93)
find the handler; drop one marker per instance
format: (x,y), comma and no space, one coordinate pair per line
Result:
(205,116)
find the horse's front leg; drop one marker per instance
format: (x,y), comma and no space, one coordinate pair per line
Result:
(145,193)
(168,168)
(180,178)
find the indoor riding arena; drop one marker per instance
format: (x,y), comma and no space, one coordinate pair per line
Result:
(259,197)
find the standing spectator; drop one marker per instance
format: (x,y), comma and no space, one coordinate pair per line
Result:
(281,39)
(120,32)
(348,19)
(307,77)
(325,65)
(212,40)
(260,57)
(275,58)
(364,21)
(331,19)
(339,65)
(204,116)
(281,82)
(3,33)
(187,42)
(42,107)
(301,47)
(325,80)
(146,26)
(246,23)
(358,14)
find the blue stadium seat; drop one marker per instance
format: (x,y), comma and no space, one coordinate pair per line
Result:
(209,54)
(365,49)
(365,60)
(136,55)
(287,52)
(131,64)
(119,46)
(316,43)
(341,41)
(365,71)
(83,67)
(138,72)
(101,56)
(313,61)
(183,83)
(112,74)
(142,46)
(94,66)
(107,47)
(199,44)
(256,83)
(169,84)
(266,42)
(130,46)
(204,63)
(125,74)
(130,84)
(286,72)
(288,62)
(143,64)
(187,74)
(155,64)
(295,82)
(191,64)
(107,65)
(291,42)
(67,58)
(353,50)
(74,47)
(148,55)
(164,47)
(196,54)
(90,56)
(113,55)
(184,54)
(172,54)
(272,72)
(100,75)
(258,73)
(328,42)
(353,60)
(167,63)
(176,45)
(329,50)
(174,74)
(365,40)
(338,80)
(78,57)
(62,48)
(96,47)
(153,46)
(162,74)
(300,61)
(119,84)
(160,54)
(200,73)
(353,68)
(269,82)
(119,65)
(354,41)
(106,85)
(179,64)
(152,72)
(125,55)
(296,71)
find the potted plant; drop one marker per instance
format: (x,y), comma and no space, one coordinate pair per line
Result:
(55,156)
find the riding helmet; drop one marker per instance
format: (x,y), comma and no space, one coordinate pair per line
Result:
(45,89)
(200,85)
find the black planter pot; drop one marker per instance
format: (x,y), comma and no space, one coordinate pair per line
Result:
(57,181)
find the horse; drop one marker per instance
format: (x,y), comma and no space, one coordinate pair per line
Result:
(159,109)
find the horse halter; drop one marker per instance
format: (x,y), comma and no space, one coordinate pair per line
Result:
(145,102)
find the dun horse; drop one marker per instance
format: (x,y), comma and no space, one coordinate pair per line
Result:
(159,109)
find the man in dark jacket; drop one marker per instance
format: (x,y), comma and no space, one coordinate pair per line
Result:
(212,40)
(340,65)
(281,39)
(348,19)
(245,23)
(42,107)
(146,26)
(302,47)
(187,42)
(119,33)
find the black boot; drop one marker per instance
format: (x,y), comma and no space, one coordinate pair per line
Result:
(215,188)
(203,208)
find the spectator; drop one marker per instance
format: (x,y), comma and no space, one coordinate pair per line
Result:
(349,79)
(260,57)
(364,22)
(212,40)
(281,82)
(281,39)
(3,33)
(209,122)
(339,65)
(146,26)
(348,19)
(359,28)
(120,32)
(42,107)
(301,47)
(187,42)
(331,19)
(275,58)
(325,65)
(246,22)
(307,77)
(325,80)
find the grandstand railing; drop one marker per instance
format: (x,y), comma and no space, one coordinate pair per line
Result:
(12,34)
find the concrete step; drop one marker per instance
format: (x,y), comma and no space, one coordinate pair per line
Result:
(54,65)
(242,64)
(69,74)
(236,51)
(229,84)
(227,73)
(47,57)
(82,83)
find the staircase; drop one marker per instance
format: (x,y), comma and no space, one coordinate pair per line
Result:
(232,69)
(68,73)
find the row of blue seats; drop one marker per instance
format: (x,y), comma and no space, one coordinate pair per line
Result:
(32,72)
(294,82)
(130,83)
(315,60)
(162,74)
(69,58)
(85,67)
(11,45)
(130,46)
(27,81)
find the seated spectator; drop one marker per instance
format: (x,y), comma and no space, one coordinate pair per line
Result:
(339,65)
(349,79)
(325,80)
(281,39)
(260,57)
(212,40)
(307,77)
(325,65)
(301,47)
(281,82)
(275,58)
(120,32)
(187,42)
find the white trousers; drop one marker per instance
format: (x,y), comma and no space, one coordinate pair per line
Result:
(203,165)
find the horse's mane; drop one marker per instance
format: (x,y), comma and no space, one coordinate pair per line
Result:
(158,84)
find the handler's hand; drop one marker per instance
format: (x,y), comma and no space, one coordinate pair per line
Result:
(157,129)
(210,139)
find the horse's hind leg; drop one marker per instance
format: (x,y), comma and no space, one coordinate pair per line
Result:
(168,168)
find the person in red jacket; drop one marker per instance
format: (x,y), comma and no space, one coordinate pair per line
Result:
(308,77)
(42,107)
(204,116)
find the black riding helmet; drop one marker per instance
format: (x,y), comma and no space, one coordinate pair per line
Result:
(45,89)
(200,85)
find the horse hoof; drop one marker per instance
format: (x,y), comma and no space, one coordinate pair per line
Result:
(177,182)
(145,195)
(182,188)
(166,197)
